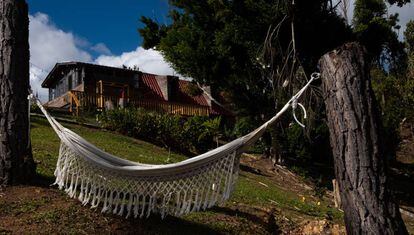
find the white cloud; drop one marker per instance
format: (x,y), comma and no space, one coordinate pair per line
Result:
(150,61)
(101,48)
(49,45)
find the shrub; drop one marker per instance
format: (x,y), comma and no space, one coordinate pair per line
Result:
(295,144)
(243,126)
(188,135)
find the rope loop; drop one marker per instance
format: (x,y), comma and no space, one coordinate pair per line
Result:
(295,104)
(315,76)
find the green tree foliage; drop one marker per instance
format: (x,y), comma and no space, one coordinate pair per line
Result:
(399,3)
(377,33)
(387,90)
(409,36)
(395,93)
(221,43)
(217,42)
(408,88)
(409,42)
(152,32)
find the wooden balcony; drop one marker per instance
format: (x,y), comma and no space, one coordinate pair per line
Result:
(81,101)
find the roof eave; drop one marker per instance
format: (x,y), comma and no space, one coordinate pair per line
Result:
(49,77)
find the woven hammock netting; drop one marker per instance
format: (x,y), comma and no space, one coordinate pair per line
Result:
(133,189)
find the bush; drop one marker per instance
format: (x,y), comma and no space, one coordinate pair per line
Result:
(296,145)
(188,135)
(245,125)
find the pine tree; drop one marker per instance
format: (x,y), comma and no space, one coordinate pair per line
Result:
(16,162)
(370,20)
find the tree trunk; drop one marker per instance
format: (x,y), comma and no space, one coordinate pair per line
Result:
(16,162)
(355,131)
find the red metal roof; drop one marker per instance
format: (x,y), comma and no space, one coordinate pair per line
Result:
(150,88)
(152,91)
(184,96)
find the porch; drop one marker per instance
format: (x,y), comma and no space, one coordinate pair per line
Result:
(79,101)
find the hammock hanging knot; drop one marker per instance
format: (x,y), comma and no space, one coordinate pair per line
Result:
(295,103)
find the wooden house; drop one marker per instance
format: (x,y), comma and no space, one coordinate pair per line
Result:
(77,86)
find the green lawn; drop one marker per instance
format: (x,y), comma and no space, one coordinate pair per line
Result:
(256,197)
(45,146)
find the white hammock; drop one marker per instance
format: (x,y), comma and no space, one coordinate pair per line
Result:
(133,189)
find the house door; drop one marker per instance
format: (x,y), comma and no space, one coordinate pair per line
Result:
(70,83)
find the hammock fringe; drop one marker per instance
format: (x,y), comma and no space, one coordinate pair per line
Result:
(125,196)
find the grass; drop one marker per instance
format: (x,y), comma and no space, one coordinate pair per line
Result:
(256,197)
(45,146)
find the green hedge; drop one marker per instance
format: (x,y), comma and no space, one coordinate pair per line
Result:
(190,135)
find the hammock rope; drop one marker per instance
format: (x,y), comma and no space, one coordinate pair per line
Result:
(135,190)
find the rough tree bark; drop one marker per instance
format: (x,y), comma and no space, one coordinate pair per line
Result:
(355,136)
(16,162)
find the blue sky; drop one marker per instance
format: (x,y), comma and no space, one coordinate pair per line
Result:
(113,23)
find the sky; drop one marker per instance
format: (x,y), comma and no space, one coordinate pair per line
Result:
(113,23)
(104,32)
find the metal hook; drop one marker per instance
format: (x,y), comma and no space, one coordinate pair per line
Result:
(294,105)
(315,75)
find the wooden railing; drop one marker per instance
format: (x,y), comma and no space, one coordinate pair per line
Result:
(74,103)
(82,101)
(173,108)
(85,101)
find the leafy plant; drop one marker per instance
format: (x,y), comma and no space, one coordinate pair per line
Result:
(189,135)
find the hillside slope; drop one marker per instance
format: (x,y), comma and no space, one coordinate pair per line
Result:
(267,200)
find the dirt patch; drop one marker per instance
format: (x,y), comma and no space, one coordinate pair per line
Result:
(44,209)
(48,210)
(320,227)
(281,175)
